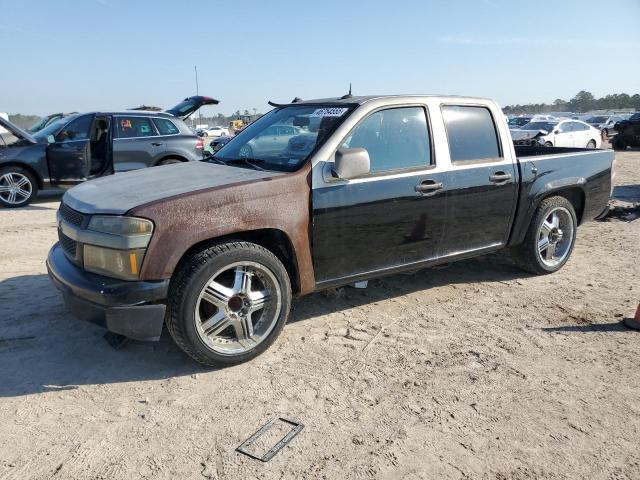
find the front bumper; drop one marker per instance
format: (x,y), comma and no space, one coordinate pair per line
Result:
(133,309)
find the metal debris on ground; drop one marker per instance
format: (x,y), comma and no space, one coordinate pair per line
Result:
(245,447)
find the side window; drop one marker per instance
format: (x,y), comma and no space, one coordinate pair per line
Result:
(77,129)
(471,133)
(132,127)
(396,138)
(580,127)
(166,126)
(565,127)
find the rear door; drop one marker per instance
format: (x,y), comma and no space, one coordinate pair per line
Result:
(137,143)
(391,217)
(68,156)
(482,182)
(189,105)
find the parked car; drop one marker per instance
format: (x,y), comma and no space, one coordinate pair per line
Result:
(83,146)
(604,123)
(216,131)
(628,133)
(218,249)
(216,144)
(46,121)
(564,133)
(275,138)
(517,122)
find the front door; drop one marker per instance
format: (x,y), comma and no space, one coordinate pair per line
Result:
(564,137)
(68,155)
(392,217)
(482,183)
(137,143)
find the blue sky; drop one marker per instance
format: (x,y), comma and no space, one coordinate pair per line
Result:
(106,54)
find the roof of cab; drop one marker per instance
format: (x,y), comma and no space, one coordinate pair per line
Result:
(360,100)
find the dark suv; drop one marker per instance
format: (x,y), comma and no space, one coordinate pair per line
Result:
(628,133)
(83,146)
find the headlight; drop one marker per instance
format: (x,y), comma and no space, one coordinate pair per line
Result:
(120,225)
(116,245)
(124,264)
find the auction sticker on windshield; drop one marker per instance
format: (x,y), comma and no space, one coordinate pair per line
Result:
(329,112)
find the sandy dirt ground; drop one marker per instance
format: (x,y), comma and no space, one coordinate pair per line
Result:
(475,370)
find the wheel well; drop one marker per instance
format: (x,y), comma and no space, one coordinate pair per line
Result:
(276,241)
(171,157)
(28,168)
(575,195)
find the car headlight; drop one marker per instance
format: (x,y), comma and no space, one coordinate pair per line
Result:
(121,250)
(124,264)
(120,225)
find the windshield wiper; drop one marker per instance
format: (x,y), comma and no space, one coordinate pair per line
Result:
(252,162)
(214,159)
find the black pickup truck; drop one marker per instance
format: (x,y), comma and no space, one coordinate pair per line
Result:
(361,187)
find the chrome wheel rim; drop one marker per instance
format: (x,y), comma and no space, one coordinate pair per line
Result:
(555,237)
(15,188)
(238,307)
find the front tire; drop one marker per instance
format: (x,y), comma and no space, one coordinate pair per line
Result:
(18,187)
(591,144)
(548,144)
(228,303)
(550,238)
(618,144)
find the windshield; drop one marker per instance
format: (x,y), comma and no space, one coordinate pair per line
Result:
(284,138)
(548,126)
(52,128)
(39,125)
(597,120)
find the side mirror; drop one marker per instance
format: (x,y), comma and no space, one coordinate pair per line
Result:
(351,163)
(51,139)
(556,132)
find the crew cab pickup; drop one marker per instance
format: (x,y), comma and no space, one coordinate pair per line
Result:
(354,188)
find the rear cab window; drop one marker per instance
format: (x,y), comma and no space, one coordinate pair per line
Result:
(395,138)
(471,133)
(166,126)
(135,127)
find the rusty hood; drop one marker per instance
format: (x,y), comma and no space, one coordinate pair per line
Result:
(119,193)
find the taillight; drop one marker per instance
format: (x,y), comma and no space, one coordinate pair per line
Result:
(199,144)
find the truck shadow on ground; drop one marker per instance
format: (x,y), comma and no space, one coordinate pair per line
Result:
(43,348)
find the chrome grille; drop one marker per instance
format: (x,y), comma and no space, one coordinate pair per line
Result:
(68,245)
(71,216)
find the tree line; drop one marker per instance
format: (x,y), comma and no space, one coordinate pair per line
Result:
(583,102)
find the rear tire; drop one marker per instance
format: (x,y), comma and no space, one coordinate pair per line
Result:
(18,187)
(591,144)
(228,303)
(548,144)
(169,161)
(550,238)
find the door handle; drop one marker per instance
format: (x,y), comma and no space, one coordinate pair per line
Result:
(156,144)
(428,187)
(500,177)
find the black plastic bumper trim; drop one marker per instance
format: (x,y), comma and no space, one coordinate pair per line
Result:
(133,309)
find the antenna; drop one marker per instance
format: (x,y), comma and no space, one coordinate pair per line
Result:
(348,95)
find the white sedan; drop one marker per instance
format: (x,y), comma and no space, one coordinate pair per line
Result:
(565,133)
(215,132)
